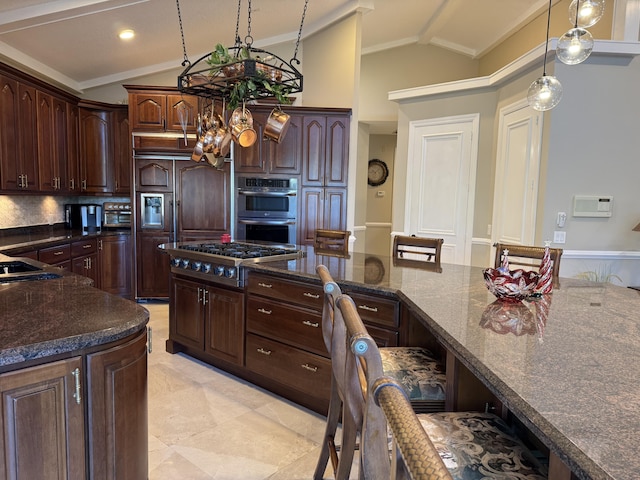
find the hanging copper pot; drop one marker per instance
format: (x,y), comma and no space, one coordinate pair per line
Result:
(277,125)
(241,125)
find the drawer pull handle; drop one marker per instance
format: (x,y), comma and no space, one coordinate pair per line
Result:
(311,295)
(310,324)
(58,253)
(265,285)
(306,366)
(88,245)
(263,351)
(266,312)
(368,308)
(76,377)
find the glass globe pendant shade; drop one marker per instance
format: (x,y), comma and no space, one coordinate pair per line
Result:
(544,93)
(588,13)
(575,46)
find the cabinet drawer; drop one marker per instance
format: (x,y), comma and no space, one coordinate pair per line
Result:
(55,255)
(378,310)
(309,295)
(303,371)
(295,326)
(81,248)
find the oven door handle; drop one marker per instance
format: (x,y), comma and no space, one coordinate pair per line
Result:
(266,222)
(250,193)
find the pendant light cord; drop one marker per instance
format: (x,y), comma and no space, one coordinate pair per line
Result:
(546,46)
(577,12)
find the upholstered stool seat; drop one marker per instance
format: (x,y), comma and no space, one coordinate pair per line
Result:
(418,372)
(480,445)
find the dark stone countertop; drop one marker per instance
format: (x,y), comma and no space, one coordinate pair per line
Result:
(22,239)
(568,366)
(49,317)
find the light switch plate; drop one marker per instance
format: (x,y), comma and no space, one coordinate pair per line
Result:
(559,237)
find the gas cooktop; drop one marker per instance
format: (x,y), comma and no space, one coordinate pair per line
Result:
(239,250)
(222,262)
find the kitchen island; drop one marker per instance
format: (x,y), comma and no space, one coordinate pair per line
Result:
(567,366)
(73,377)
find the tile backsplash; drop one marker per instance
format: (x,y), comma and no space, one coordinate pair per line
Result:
(30,210)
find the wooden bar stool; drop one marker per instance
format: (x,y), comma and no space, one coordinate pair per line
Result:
(527,257)
(332,241)
(419,372)
(451,445)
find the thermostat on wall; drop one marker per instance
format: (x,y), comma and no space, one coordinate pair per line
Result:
(592,206)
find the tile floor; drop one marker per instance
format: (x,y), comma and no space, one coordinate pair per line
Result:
(205,424)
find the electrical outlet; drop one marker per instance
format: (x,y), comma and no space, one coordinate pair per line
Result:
(489,229)
(559,237)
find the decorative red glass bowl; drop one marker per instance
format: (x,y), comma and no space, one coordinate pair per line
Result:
(513,286)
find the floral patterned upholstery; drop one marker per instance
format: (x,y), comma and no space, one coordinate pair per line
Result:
(415,368)
(477,446)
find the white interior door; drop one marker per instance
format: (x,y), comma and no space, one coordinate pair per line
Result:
(517,174)
(440,191)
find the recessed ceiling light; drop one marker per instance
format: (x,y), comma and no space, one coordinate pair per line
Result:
(126,34)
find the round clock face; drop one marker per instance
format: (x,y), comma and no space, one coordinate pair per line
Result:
(378,172)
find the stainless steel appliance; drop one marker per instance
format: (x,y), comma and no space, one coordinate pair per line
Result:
(222,262)
(116,214)
(85,217)
(267,209)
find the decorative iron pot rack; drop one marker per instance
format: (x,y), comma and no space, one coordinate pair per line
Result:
(210,81)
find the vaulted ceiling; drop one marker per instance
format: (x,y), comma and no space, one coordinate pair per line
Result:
(75,42)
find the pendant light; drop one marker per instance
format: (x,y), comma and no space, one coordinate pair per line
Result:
(586,13)
(546,92)
(576,45)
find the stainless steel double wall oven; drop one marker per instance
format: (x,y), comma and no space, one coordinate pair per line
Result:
(267,209)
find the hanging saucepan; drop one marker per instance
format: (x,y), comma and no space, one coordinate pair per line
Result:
(277,125)
(241,125)
(217,162)
(222,142)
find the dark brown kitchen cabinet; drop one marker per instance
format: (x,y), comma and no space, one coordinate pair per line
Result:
(84,260)
(73,148)
(96,151)
(152,265)
(43,420)
(117,398)
(59,421)
(321,208)
(325,150)
(203,196)
(18,136)
(161,109)
(323,202)
(284,337)
(206,318)
(115,255)
(58,256)
(52,143)
(268,157)
(123,155)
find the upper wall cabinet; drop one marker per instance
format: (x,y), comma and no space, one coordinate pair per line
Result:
(155,109)
(18,136)
(96,151)
(269,157)
(325,150)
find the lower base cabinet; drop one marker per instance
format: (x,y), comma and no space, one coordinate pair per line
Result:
(47,409)
(115,255)
(207,318)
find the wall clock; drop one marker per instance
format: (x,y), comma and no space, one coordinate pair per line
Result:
(378,172)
